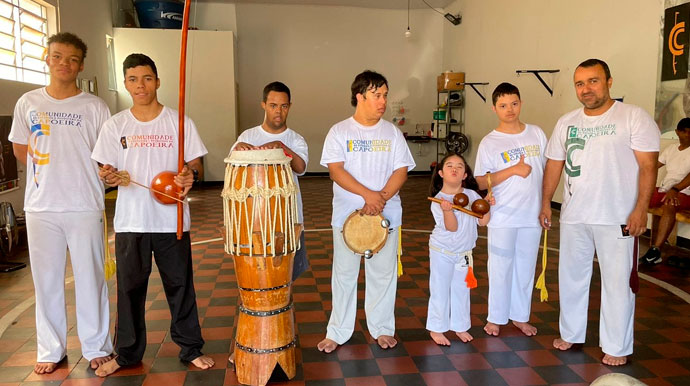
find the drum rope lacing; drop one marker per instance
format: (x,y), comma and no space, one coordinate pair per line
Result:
(284,196)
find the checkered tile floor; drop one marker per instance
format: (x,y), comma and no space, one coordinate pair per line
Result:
(662,324)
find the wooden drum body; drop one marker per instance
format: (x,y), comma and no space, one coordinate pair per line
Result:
(260,210)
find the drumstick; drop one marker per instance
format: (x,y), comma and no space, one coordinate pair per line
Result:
(142,185)
(460,208)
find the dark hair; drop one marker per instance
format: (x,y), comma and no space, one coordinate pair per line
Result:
(502,89)
(277,87)
(437,181)
(71,39)
(136,60)
(683,124)
(364,81)
(593,62)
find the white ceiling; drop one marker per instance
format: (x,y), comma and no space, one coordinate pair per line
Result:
(385,4)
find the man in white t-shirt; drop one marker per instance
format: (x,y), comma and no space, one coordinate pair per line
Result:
(53,132)
(274,133)
(511,158)
(674,193)
(143,141)
(367,159)
(609,152)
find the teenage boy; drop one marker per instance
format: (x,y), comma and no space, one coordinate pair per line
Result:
(142,140)
(511,159)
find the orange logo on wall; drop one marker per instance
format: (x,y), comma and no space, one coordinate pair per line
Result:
(674,47)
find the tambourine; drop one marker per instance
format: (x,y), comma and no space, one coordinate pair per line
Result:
(364,234)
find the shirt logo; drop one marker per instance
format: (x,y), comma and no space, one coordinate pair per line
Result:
(514,154)
(368,145)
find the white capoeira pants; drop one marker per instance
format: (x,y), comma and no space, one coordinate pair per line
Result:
(512,261)
(380,286)
(449,303)
(50,235)
(615,255)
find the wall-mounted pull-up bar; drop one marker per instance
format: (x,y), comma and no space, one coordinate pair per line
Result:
(472,84)
(537,74)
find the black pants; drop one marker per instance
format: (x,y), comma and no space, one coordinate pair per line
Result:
(174,261)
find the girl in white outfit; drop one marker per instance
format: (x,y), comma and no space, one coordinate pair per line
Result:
(450,251)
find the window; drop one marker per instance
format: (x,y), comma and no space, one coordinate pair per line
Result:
(24,30)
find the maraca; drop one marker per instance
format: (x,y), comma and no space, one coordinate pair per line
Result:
(461,199)
(480,206)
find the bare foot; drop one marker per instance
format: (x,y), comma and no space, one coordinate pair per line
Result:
(492,329)
(231,358)
(107,368)
(45,367)
(464,336)
(526,328)
(203,362)
(561,344)
(614,361)
(96,362)
(386,341)
(327,345)
(439,338)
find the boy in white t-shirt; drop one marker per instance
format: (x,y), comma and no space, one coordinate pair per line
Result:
(367,159)
(53,132)
(511,159)
(143,141)
(274,133)
(674,193)
(609,152)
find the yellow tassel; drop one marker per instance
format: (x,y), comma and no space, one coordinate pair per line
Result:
(109,265)
(470,279)
(400,267)
(541,281)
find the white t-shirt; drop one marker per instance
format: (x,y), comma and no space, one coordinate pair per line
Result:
(677,167)
(465,238)
(257,136)
(601,171)
(145,149)
(518,200)
(60,134)
(371,154)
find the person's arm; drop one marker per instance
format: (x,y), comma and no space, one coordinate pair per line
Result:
(450,222)
(241,146)
(552,175)
(20,152)
(185,179)
(520,169)
(394,183)
(373,201)
(647,162)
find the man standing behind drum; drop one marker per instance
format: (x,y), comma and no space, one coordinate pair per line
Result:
(273,133)
(142,140)
(368,159)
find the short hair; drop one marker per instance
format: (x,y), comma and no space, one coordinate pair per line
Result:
(136,60)
(364,82)
(71,39)
(502,89)
(277,87)
(683,124)
(593,62)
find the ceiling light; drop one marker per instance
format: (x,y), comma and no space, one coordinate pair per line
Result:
(455,19)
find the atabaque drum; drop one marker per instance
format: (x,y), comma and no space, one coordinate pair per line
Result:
(364,234)
(262,235)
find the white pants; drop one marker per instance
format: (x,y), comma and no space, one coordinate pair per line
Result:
(449,303)
(380,286)
(50,234)
(615,255)
(512,260)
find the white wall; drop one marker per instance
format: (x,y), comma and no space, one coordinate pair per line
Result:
(497,37)
(210,89)
(91,21)
(318,50)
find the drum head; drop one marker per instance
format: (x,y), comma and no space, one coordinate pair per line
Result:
(364,233)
